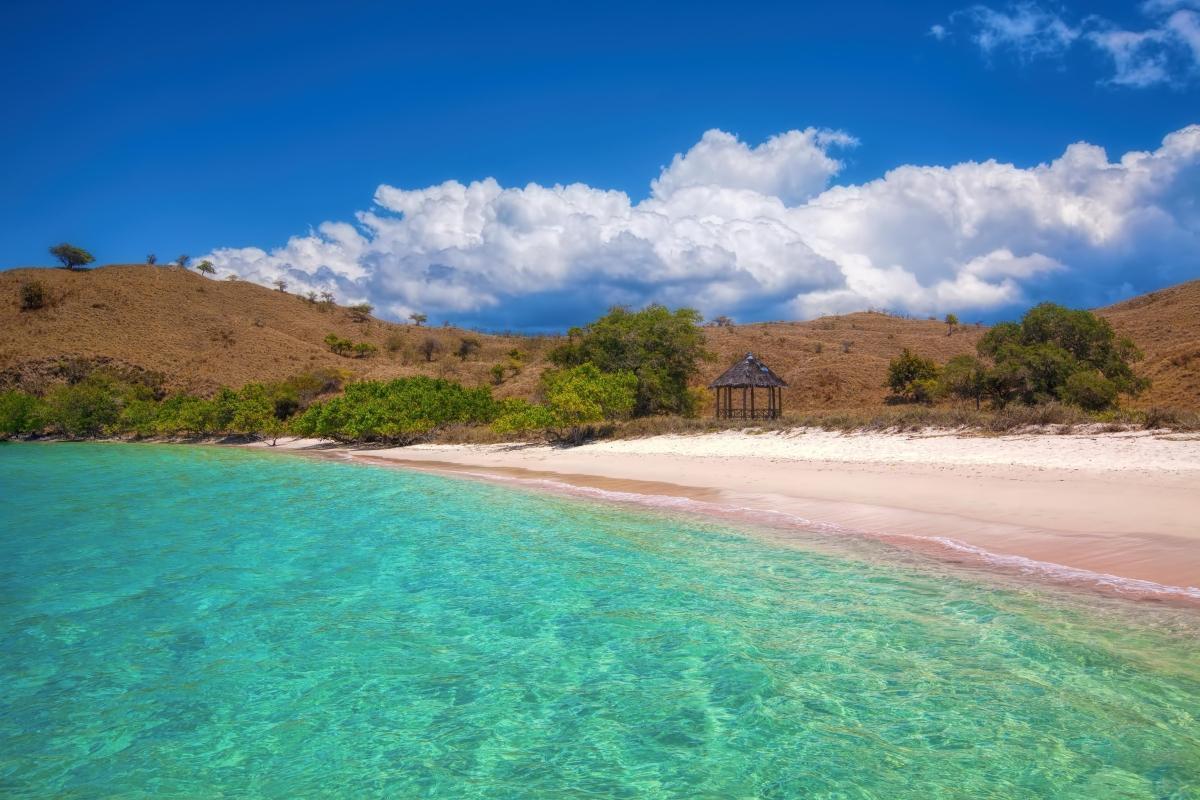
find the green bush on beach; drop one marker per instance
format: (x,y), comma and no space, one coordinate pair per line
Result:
(575,400)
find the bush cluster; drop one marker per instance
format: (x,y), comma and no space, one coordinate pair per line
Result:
(1053,354)
(348,348)
(105,403)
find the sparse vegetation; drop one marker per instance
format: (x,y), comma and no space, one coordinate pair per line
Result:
(33,295)
(72,257)
(346,347)
(206,267)
(183,260)
(467,347)
(280,284)
(418,319)
(429,347)
(360,312)
(151,259)
(951,324)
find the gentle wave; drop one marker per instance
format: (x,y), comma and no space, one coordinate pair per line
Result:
(1133,588)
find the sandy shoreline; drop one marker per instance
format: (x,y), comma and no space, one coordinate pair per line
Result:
(1119,510)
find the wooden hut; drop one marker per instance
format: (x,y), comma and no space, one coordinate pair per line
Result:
(749,374)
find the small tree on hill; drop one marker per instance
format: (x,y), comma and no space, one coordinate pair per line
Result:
(467,347)
(71,256)
(280,284)
(361,312)
(364,349)
(951,323)
(206,267)
(183,260)
(418,319)
(428,347)
(151,259)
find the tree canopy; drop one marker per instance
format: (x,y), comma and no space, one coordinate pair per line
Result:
(1035,360)
(660,347)
(71,256)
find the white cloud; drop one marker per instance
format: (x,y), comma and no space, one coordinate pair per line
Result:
(1167,52)
(755,232)
(792,166)
(1026,29)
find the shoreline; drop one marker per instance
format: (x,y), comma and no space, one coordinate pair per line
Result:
(1118,513)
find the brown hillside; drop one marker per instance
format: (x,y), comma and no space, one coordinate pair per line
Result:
(1166,326)
(202,333)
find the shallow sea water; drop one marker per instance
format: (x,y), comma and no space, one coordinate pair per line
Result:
(206,622)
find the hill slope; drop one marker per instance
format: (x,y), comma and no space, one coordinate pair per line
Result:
(201,334)
(1166,326)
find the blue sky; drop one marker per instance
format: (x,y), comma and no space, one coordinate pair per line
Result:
(207,128)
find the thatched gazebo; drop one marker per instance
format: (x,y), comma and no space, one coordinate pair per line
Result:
(748,374)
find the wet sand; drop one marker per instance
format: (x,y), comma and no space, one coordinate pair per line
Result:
(1118,510)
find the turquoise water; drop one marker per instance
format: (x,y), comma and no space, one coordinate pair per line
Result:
(203,622)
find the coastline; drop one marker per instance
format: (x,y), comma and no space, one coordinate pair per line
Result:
(1117,512)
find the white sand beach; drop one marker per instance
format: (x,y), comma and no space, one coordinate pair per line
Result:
(1076,507)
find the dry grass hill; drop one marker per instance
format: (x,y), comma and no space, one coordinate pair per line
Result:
(202,333)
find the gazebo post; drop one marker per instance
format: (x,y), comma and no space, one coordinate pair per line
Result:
(751,402)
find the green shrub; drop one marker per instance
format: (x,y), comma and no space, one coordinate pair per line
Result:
(401,410)
(912,377)
(576,399)
(1089,390)
(20,414)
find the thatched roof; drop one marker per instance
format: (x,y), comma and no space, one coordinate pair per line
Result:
(748,372)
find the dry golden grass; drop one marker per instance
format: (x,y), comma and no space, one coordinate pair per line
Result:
(1166,326)
(202,333)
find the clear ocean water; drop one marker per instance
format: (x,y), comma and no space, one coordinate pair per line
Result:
(205,622)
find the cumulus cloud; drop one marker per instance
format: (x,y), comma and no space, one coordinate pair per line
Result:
(1166,52)
(758,232)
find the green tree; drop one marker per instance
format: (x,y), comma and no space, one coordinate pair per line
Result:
(1034,361)
(364,349)
(418,319)
(92,406)
(660,347)
(912,377)
(71,256)
(1090,390)
(360,312)
(951,323)
(20,414)
(965,377)
(206,267)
